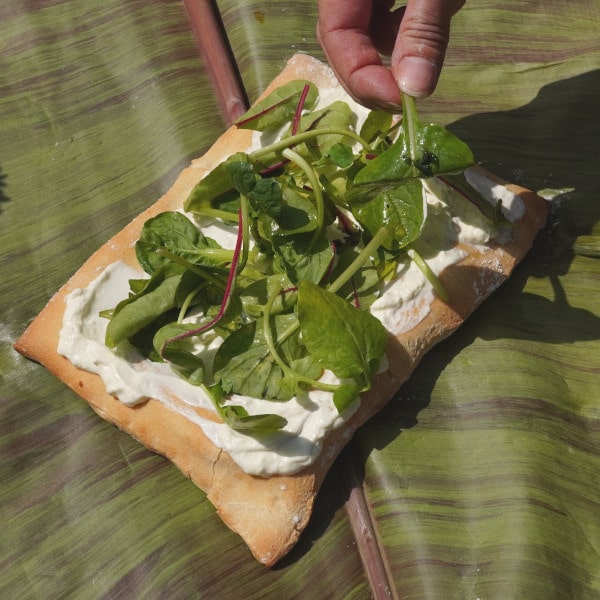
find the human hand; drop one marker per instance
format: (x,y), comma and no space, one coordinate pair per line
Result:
(353,33)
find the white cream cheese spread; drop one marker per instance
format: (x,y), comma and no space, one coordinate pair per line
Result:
(132,379)
(403,302)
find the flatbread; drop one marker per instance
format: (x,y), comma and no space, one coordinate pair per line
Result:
(268,513)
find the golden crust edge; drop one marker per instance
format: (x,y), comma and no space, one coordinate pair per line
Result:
(268,513)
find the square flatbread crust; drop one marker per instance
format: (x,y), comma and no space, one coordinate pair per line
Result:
(268,513)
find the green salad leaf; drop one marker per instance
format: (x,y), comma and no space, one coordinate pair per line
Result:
(215,191)
(420,151)
(243,364)
(174,234)
(180,353)
(493,212)
(329,212)
(278,108)
(400,210)
(163,293)
(237,417)
(345,340)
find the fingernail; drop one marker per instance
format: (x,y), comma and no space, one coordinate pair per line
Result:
(416,76)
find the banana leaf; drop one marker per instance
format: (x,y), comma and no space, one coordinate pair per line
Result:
(480,479)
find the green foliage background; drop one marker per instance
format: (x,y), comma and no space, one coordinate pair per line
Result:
(482,476)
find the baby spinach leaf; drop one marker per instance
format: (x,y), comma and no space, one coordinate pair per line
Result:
(138,287)
(341,155)
(298,213)
(401,210)
(255,296)
(267,197)
(264,194)
(237,417)
(304,258)
(440,152)
(374,126)
(348,341)
(242,175)
(214,188)
(493,212)
(179,353)
(345,395)
(174,232)
(142,309)
(420,151)
(279,107)
(143,339)
(236,358)
(244,364)
(296,379)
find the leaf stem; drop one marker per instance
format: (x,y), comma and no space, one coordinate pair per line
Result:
(327,387)
(313,180)
(215,213)
(411,121)
(204,273)
(244,227)
(299,138)
(188,300)
(433,279)
(360,260)
(299,108)
(221,254)
(229,288)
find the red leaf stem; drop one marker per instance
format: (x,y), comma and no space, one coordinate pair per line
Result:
(255,116)
(299,109)
(459,191)
(345,222)
(331,263)
(279,165)
(226,295)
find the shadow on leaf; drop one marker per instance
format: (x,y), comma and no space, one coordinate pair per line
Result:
(551,146)
(3,197)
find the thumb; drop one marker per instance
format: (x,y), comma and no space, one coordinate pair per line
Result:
(421,44)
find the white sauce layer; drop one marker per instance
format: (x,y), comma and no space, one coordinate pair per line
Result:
(132,379)
(403,303)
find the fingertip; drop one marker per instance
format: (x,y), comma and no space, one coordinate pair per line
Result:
(374,87)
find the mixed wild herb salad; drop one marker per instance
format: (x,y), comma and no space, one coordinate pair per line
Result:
(322,216)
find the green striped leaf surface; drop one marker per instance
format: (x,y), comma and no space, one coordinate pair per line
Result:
(481,478)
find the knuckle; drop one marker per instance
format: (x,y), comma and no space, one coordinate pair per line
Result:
(432,33)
